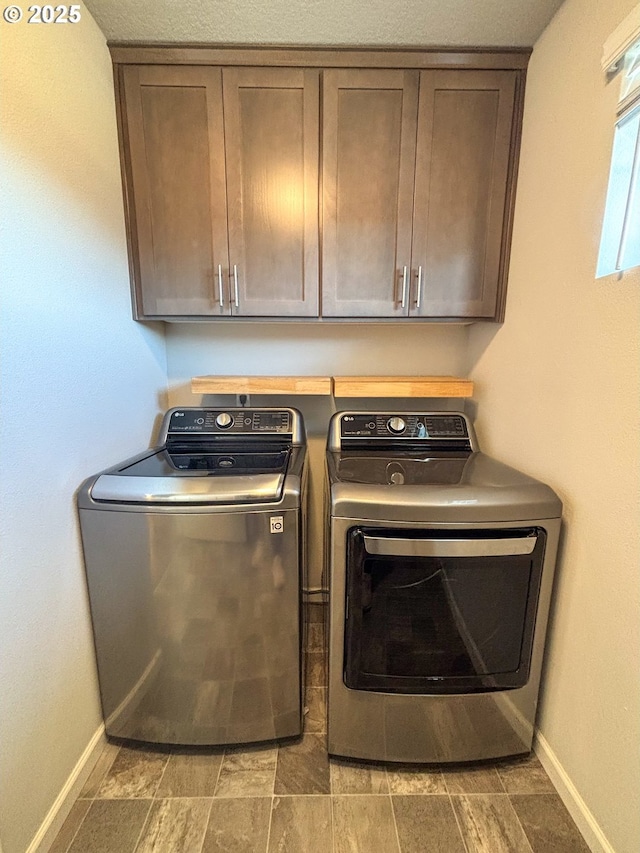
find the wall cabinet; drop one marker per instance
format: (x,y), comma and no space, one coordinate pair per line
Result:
(416,177)
(319,183)
(369,146)
(222,164)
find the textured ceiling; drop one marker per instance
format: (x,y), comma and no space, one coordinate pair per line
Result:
(514,23)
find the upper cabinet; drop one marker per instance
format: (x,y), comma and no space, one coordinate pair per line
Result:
(464,174)
(416,170)
(222,166)
(300,183)
(369,149)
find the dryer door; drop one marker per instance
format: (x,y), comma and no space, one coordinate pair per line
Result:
(436,611)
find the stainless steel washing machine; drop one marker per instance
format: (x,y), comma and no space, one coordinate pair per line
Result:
(194,554)
(441,564)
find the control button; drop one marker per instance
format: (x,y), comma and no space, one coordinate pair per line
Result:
(199,420)
(396,425)
(371,425)
(224,420)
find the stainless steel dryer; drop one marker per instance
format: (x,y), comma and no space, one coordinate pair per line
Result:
(194,556)
(441,565)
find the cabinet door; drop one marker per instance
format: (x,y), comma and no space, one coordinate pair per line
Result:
(272,138)
(174,160)
(460,243)
(369,137)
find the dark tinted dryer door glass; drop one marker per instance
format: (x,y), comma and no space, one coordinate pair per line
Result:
(424,624)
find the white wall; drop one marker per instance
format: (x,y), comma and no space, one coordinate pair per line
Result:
(557,393)
(81,386)
(331,349)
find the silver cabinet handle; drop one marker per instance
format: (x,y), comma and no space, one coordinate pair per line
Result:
(449,547)
(419,293)
(404,287)
(235,285)
(220,291)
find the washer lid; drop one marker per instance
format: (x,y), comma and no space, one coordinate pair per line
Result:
(202,478)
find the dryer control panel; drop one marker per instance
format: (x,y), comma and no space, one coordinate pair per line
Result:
(423,430)
(404,425)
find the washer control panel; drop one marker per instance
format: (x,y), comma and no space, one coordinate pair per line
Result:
(230,421)
(409,425)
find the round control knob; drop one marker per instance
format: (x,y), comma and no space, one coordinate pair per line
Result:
(224,420)
(396,425)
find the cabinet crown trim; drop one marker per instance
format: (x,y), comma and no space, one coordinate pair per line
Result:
(317,56)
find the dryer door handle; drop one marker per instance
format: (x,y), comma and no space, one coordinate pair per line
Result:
(392,547)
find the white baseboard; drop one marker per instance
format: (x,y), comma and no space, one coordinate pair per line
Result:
(576,806)
(44,837)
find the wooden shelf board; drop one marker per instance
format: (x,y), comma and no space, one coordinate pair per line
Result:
(340,386)
(402,386)
(261,385)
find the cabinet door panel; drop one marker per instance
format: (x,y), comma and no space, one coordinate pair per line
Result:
(368,162)
(272,130)
(462,169)
(176,162)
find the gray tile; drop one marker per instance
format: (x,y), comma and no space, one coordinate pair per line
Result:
(316,669)
(191,775)
(489,824)
(247,773)
(315,718)
(134,773)
(357,777)
(472,780)
(303,767)
(238,825)
(427,824)
(409,779)
(525,776)
(315,637)
(301,825)
(175,826)
(363,824)
(547,823)
(100,770)
(315,612)
(111,825)
(71,825)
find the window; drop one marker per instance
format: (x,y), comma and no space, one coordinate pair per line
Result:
(620,241)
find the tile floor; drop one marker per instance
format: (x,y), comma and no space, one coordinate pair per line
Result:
(291,798)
